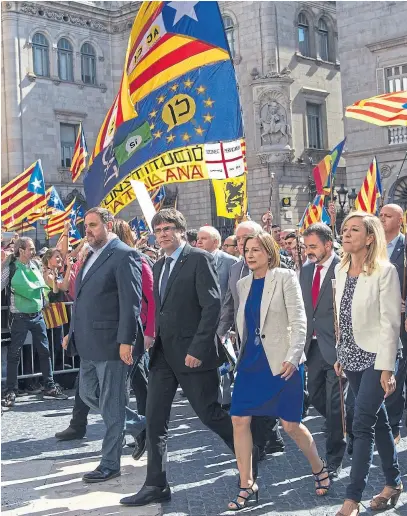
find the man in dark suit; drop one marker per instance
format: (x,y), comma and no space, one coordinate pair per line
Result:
(104,328)
(391,217)
(185,353)
(323,385)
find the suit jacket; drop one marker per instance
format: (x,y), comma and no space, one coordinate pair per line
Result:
(375,312)
(187,318)
(283,323)
(106,310)
(321,319)
(397,259)
(230,304)
(223,264)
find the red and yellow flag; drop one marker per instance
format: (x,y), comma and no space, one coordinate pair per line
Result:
(386,109)
(80,154)
(57,222)
(368,194)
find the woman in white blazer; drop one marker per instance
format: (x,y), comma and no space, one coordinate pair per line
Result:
(368,310)
(271,323)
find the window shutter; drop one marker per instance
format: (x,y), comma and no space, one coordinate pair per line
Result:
(380,81)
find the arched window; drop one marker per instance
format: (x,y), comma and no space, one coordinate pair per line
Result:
(323,46)
(65,60)
(303,35)
(88,64)
(40,55)
(230,33)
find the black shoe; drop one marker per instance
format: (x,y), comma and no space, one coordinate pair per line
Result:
(262,453)
(9,399)
(140,446)
(101,475)
(146,495)
(34,388)
(54,393)
(333,471)
(70,433)
(350,446)
(226,406)
(275,446)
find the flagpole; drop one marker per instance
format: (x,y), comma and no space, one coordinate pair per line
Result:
(402,165)
(332,200)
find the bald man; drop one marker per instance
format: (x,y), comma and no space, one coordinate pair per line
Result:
(391,217)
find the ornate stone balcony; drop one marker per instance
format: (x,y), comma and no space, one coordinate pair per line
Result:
(397,135)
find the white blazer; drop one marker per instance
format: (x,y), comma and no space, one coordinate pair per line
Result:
(376,313)
(283,323)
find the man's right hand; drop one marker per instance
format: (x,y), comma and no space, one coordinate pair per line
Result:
(65,341)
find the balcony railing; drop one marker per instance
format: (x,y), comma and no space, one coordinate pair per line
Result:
(397,135)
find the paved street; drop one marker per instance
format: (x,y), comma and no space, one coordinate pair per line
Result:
(41,477)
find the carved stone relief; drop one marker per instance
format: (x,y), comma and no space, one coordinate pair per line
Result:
(274,129)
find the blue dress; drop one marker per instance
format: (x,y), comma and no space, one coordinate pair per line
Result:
(257,392)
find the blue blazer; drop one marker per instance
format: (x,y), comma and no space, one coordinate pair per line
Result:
(106,310)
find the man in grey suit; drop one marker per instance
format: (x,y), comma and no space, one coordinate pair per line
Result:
(266,434)
(323,384)
(104,328)
(391,217)
(209,240)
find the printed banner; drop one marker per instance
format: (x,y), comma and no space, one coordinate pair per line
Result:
(231,197)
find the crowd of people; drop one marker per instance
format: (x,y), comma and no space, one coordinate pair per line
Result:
(254,330)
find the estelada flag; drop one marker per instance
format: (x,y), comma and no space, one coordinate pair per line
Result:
(386,109)
(231,196)
(370,190)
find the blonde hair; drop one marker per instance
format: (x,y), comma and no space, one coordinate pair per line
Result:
(269,245)
(376,251)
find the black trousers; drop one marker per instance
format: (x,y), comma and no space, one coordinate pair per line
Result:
(395,403)
(324,393)
(201,389)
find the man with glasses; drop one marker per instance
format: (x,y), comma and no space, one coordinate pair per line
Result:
(230,246)
(188,302)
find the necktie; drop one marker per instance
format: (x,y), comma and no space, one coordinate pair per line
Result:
(166,275)
(316,285)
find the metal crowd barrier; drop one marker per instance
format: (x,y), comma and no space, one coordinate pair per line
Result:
(29,364)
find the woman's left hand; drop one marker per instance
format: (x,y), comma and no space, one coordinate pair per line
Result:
(287,370)
(388,383)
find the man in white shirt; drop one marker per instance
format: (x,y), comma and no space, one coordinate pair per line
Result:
(323,385)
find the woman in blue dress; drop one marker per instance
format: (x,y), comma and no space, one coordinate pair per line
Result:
(271,324)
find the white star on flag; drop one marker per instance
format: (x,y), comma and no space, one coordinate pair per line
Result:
(72,232)
(37,184)
(184,9)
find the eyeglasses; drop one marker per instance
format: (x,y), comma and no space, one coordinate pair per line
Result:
(165,229)
(229,245)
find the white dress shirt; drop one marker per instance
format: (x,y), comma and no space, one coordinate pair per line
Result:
(175,255)
(93,257)
(325,267)
(391,246)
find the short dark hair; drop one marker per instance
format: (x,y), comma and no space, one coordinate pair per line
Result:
(192,235)
(290,235)
(104,214)
(172,216)
(234,239)
(275,226)
(323,232)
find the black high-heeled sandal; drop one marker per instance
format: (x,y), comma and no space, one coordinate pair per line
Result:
(246,499)
(318,480)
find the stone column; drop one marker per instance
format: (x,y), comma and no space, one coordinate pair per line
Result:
(268,36)
(11,96)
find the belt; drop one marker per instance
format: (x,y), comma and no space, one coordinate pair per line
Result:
(30,316)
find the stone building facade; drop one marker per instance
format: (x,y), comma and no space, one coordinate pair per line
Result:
(373,54)
(62,63)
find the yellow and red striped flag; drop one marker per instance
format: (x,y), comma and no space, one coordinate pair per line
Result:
(56,223)
(80,154)
(314,212)
(369,192)
(172,55)
(22,195)
(386,109)
(55,315)
(120,111)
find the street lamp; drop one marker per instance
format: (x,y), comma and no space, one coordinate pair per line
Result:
(342,193)
(352,199)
